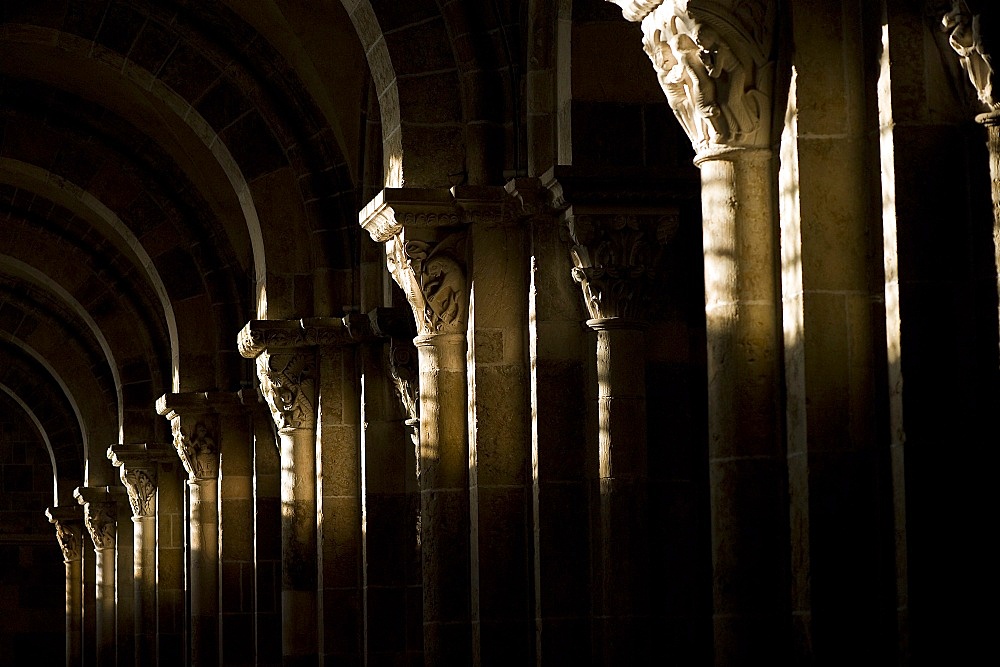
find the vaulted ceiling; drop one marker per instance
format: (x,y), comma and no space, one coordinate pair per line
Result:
(160,162)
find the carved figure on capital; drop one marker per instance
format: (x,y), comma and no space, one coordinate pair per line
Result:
(432,275)
(101,521)
(286,380)
(965,36)
(70,536)
(713,63)
(197,446)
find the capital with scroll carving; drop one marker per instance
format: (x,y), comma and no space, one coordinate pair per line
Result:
(100,515)
(68,521)
(138,468)
(714,62)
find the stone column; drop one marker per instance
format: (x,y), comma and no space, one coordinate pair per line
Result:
(69,531)
(100,515)
(714,61)
(425,254)
(267,535)
(286,368)
(138,468)
(616,251)
(194,424)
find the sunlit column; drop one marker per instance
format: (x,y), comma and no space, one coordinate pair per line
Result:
(68,521)
(425,253)
(715,64)
(197,437)
(100,515)
(286,368)
(138,468)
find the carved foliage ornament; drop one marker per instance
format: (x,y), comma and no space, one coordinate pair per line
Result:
(70,534)
(432,275)
(713,63)
(286,380)
(615,259)
(141,486)
(101,520)
(966,38)
(197,445)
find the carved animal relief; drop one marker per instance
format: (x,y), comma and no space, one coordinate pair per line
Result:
(432,275)
(287,384)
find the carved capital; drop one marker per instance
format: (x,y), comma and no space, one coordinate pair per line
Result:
(423,230)
(965,36)
(713,59)
(288,384)
(615,257)
(194,424)
(432,275)
(138,467)
(69,530)
(100,515)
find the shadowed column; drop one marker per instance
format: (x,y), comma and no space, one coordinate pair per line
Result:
(68,521)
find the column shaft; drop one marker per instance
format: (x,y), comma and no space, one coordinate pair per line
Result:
(105,607)
(444,499)
(267,541)
(236,542)
(562,563)
(170,566)
(298,546)
(622,462)
(204,577)
(392,583)
(748,473)
(338,438)
(145,588)
(499,437)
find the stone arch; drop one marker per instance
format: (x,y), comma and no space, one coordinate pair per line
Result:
(33,418)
